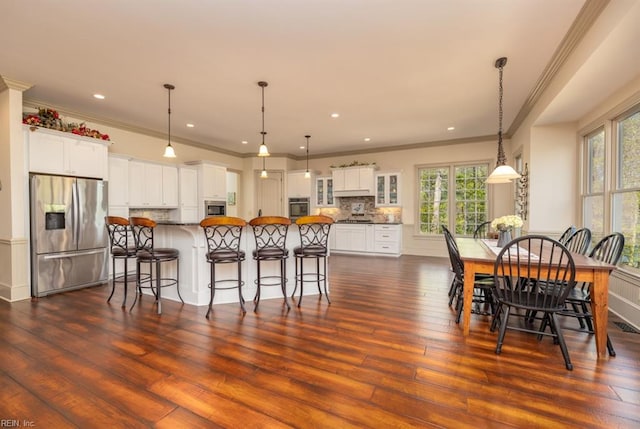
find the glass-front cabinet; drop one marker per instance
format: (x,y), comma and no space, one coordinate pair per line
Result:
(324,192)
(388,189)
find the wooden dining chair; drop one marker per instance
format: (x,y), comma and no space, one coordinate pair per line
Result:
(579,241)
(533,274)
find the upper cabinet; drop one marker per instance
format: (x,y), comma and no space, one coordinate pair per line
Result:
(118,182)
(188,195)
(152,185)
(55,152)
(297,185)
(388,189)
(324,192)
(212,180)
(353,181)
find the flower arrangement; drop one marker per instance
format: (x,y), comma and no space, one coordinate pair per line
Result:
(49,118)
(353,164)
(506,223)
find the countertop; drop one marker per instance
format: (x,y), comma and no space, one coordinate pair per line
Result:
(178,223)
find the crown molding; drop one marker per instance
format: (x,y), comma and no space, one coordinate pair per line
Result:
(7,83)
(590,11)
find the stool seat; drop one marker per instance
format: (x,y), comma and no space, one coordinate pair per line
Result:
(225,255)
(158,253)
(311,250)
(270,253)
(117,251)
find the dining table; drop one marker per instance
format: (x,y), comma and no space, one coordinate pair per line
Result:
(479,256)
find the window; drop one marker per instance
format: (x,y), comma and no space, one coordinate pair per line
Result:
(626,197)
(461,210)
(593,208)
(614,206)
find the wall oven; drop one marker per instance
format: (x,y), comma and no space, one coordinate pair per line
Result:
(298,207)
(215,208)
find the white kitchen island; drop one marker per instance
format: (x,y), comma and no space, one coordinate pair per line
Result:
(195,277)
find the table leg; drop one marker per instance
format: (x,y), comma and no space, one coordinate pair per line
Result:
(469,280)
(599,308)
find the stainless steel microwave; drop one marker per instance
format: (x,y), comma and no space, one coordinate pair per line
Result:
(298,207)
(215,208)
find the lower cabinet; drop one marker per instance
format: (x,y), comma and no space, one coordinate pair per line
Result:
(383,239)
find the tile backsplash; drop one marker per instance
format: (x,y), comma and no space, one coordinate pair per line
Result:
(155,214)
(362,208)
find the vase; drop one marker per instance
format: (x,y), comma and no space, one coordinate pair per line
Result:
(504,237)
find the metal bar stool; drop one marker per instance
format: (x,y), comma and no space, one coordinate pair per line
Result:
(314,238)
(147,253)
(121,247)
(270,233)
(223,234)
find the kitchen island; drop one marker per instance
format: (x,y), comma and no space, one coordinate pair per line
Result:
(189,239)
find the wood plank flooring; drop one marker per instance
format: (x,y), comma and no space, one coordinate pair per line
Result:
(386,353)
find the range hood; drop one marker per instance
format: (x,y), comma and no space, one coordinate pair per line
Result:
(354,193)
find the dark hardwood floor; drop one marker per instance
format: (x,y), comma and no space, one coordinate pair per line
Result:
(386,353)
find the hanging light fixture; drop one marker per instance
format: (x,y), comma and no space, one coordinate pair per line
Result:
(503,173)
(263,147)
(307,175)
(263,173)
(168,151)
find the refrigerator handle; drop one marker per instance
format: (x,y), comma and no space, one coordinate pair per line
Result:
(75,212)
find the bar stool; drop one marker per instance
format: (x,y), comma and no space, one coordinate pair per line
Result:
(270,233)
(223,234)
(121,247)
(147,253)
(314,238)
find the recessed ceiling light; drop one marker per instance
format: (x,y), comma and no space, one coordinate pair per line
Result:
(302,147)
(244,142)
(451,128)
(367,139)
(190,125)
(335,115)
(98,96)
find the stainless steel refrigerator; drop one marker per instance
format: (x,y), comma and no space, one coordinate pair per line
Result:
(68,235)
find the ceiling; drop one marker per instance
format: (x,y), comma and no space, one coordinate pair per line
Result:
(399,72)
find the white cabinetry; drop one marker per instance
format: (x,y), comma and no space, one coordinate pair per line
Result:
(152,185)
(381,239)
(388,190)
(324,192)
(353,181)
(214,182)
(56,152)
(118,186)
(388,239)
(188,195)
(169,186)
(297,185)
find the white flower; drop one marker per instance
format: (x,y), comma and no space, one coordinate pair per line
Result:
(504,223)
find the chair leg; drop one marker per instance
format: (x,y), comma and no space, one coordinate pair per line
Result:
(610,348)
(295,279)
(178,279)
(138,286)
(256,298)
(503,328)
(240,297)
(283,281)
(113,278)
(126,282)
(159,286)
(212,286)
(326,292)
(301,280)
(318,276)
(563,346)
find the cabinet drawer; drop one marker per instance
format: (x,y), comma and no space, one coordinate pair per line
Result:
(386,235)
(387,247)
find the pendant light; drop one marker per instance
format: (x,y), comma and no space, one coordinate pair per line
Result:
(263,147)
(263,173)
(503,173)
(168,151)
(307,175)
